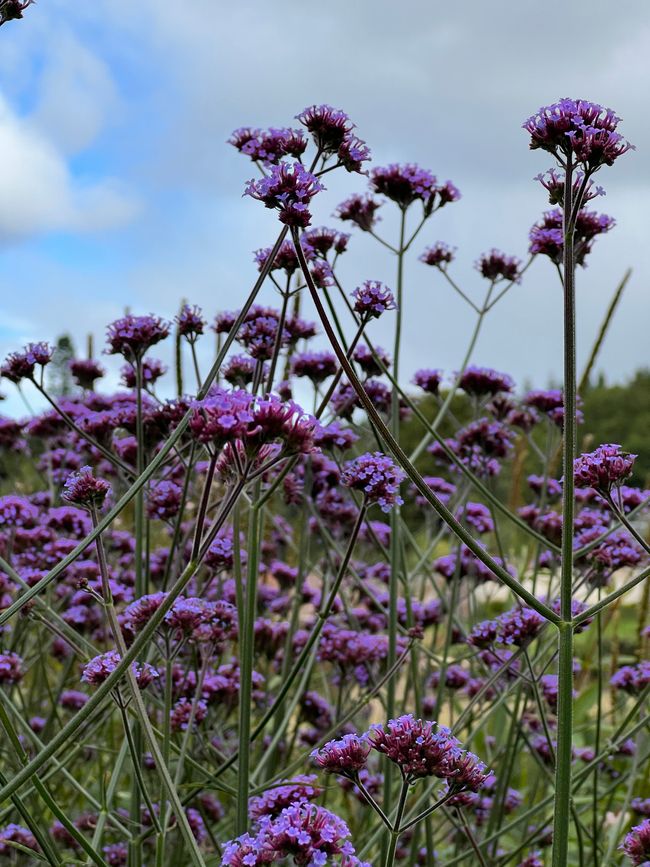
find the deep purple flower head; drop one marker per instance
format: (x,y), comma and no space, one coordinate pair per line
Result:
(519,626)
(428,380)
(495,265)
(404,184)
(285,259)
(20,365)
(419,748)
(372,298)
(328,126)
(11,668)
(131,336)
(300,790)
(334,435)
(13,833)
(439,255)
(289,188)
(637,844)
(164,500)
(322,241)
(632,678)
(483,381)
(269,146)
(346,756)
(85,371)
(98,669)
(84,489)
(190,322)
(316,366)
(547,236)
(578,127)
(152,370)
(603,468)
(377,476)
(353,152)
(17,512)
(553,182)
(360,210)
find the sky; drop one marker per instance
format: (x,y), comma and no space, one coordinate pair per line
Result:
(118,189)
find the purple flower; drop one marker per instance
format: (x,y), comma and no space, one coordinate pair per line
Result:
(547,236)
(84,489)
(377,476)
(372,298)
(98,669)
(152,370)
(13,833)
(285,259)
(476,515)
(334,435)
(328,126)
(372,363)
(495,265)
(554,184)
(353,152)
(637,844)
(269,146)
(139,613)
(632,678)
(184,710)
(419,748)
(360,210)
(316,366)
(322,241)
(428,380)
(10,668)
(603,468)
(288,187)
(405,184)
(85,371)
(300,790)
(439,255)
(578,127)
(190,322)
(17,512)
(482,381)
(20,365)
(346,756)
(519,626)
(131,336)
(164,500)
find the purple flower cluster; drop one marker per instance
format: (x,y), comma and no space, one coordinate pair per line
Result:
(289,188)
(603,468)
(579,128)
(408,183)
(377,477)
(98,669)
(518,626)
(637,844)
(84,489)
(547,236)
(481,381)
(269,146)
(372,298)
(131,336)
(439,255)
(360,210)
(496,266)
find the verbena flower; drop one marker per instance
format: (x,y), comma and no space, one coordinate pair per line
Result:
(328,126)
(190,322)
(100,667)
(301,789)
(377,476)
(428,380)
(372,298)
(553,182)
(360,210)
(11,668)
(316,366)
(439,255)
(289,188)
(321,241)
(579,128)
(547,236)
(495,265)
(84,489)
(269,146)
(482,381)
(131,336)
(603,468)
(21,365)
(346,756)
(636,844)
(404,184)
(85,371)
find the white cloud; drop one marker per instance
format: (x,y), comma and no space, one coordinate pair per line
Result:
(39,192)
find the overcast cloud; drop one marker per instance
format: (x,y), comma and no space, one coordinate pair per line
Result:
(118,189)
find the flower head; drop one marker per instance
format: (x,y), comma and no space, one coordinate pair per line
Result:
(85,371)
(377,477)
(84,489)
(100,667)
(603,468)
(496,266)
(579,128)
(328,126)
(346,756)
(419,748)
(190,322)
(132,336)
(404,184)
(289,188)
(439,255)
(372,298)
(637,844)
(360,210)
